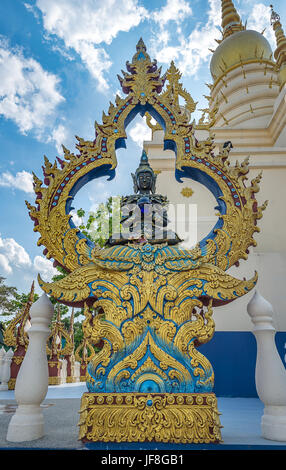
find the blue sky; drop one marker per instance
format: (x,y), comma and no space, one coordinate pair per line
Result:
(59,61)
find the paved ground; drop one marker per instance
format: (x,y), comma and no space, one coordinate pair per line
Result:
(240,417)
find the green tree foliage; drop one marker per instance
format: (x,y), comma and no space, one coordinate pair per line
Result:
(11,302)
(21,300)
(77,328)
(7,297)
(99,225)
(62,273)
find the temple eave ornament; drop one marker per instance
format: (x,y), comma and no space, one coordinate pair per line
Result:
(148,300)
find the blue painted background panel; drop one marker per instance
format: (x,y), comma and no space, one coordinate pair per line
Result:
(233,357)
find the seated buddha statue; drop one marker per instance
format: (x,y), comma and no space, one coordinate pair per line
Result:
(144,213)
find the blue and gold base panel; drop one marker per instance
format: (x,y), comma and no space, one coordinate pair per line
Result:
(151,365)
(148,417)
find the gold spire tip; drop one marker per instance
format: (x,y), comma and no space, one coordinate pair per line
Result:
(274,16)
(231,21)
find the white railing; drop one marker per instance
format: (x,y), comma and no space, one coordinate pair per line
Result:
(32,381)
(77,371)
(63,371)
(5,367)
(270,373)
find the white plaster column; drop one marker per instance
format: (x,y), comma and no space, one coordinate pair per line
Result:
(32,381)
(270,373)
(6,369)
(2,354)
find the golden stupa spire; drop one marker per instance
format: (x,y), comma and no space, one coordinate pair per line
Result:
(230,19)
(280,51)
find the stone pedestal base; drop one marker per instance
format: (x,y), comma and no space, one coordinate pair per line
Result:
(141,417)
(26,424)
(273,423)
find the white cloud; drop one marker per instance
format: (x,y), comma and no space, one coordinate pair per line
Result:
(22,180)
(84,27)
(96,61)
(195,50)
(259,19)
(191,51)
(28,94)
(168,53)
(4,264)
(58,136)
(174,10)
(76,219)
(44,267)
(13,254)
(214,13)
(140,132)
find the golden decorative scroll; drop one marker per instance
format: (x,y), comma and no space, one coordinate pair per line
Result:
(177,418)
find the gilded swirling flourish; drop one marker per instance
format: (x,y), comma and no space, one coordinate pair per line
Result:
(173,418)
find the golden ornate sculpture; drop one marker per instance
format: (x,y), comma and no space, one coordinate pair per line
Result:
(56,348)
(83,354)
(16,332)
(150,417)
(16,337)
(155,299)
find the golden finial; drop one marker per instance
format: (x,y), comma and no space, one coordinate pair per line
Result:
(141,45)
(141,53)
(231,22)
(280,51)
(274,16)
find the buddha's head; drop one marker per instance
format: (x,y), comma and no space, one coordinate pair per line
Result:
(144,178)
